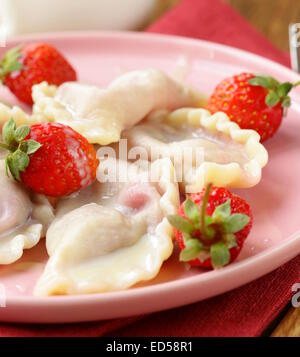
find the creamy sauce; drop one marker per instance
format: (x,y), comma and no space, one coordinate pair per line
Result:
(15,205)
(23,219)
(216,148)
(118,205)
(107,237)
(101,114)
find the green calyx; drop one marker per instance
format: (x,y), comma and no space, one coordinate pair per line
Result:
(208,236)
(10,62)
(19,149)
(277,92)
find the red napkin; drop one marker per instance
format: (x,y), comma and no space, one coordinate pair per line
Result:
(215,20)
(246,311)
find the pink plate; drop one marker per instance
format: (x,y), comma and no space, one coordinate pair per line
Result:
(275,237)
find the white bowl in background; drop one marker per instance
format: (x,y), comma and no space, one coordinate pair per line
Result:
(27,16)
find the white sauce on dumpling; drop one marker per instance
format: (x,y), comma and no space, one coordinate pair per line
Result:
(215,147)
(15,205)
(102,114)
(110,236)
(22,222)
(204,148)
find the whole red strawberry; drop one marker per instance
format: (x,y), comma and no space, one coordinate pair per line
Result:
(253,102)
(23,66)
(49,158)
(211,227)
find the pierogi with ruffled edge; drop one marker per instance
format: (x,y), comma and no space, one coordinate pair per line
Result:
(24,218)
(112,234)
(102,114)
(19,116)
(204,148)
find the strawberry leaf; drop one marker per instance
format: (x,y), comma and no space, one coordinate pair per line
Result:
(32,146)
(19,150)
(209,231)
(284,88)
(180,224)
(219,254)
(236,222)
(259,81)
(10,62)
(192,211)
(208,220)
(16,162)
(264,81)
(286,102)
(7,165)
(12,168)
(230,240)
(8,132)
(222,211)
(186,237)
(21,132)
(21,160)
(277,92)
(272,98)
(192,248)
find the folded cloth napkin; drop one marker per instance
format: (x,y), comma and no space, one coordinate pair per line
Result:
(215,20)
(246,311)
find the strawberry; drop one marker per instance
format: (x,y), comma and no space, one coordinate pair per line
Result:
(253,102)
(49,158)
(211,227)
(23,66)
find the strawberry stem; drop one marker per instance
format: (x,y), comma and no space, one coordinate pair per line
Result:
(203,209)
(276,92)
(296,84)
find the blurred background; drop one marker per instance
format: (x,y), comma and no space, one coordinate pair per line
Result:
(271,17)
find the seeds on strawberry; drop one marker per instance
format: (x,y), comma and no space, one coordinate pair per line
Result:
(23,66)
(253,102)
(49,158)
(211,227)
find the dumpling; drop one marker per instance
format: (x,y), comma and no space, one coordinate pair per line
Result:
(23,221)
(19,116)
(101,114)
(203,147)
(112,234)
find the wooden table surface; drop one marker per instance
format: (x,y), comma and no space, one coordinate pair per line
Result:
(271,17)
